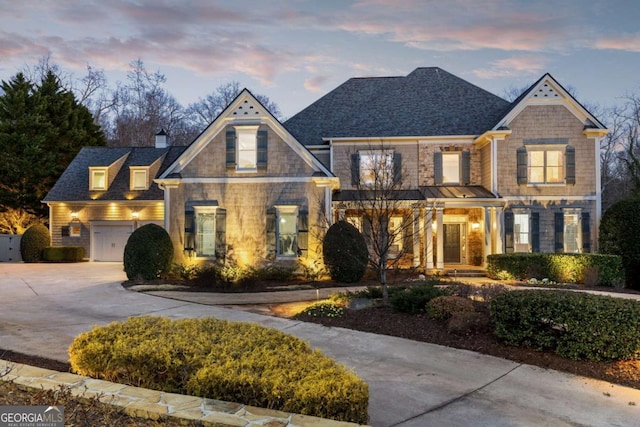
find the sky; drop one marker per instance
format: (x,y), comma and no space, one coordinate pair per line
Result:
(295,51)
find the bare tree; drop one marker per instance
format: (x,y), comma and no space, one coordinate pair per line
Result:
(205,110)
(16,221)
(381,204)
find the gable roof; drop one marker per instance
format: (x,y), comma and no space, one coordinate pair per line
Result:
(73,184)
(547,90)
(427,102)
(244,109)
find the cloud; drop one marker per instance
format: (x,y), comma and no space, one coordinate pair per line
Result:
(314,84)
(628,42)
(514,66)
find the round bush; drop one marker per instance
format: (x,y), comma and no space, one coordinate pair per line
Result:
(148,253)
(620,235)
(33,242)
(345,252)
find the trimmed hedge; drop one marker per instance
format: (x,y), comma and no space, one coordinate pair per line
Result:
(620,235)
(232,361)
(573,324)
(33,242)
(563,268)
(63,254)
(413,299)
(148,253)
(444,307)
(345,252)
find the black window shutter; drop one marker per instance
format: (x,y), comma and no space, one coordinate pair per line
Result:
(508,232)
(355,169)
(263,140)
(271,233)
(535,232)
(559,232)
(586,232)
(570,159)
(221,233)
(437,168)
(189,243)
(522,165)
(465,166)
(397,168)
(303,234)
(231,149)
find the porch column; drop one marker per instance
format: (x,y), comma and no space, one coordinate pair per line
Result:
(499,231)
(440,238)
(416,237)
(428,238)
(341,210)
(487,234)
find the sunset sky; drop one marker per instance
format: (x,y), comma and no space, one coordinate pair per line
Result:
(295,51)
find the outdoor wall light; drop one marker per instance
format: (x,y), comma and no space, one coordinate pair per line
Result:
(475,226)
(135,215)
(74,216)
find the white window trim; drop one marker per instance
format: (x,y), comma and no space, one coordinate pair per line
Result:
(92,171)
(197,210)
(285,209)
(526,212)
(545,149)
(247,134)
(133,172)
(381,152)
(458,155)
(578,213)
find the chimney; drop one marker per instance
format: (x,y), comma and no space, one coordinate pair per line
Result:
(161,139)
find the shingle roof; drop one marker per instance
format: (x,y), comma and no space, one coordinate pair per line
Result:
(73,185)
(427,102)
(456,192)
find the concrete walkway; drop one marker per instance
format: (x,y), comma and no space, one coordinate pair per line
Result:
(44,306)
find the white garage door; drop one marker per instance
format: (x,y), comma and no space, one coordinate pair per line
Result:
(109,241)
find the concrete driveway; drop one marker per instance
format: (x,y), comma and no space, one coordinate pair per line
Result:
(44,306)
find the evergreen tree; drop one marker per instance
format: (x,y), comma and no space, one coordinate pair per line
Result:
(41,129)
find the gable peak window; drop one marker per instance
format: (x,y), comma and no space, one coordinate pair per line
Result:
(97,178)
(246,148)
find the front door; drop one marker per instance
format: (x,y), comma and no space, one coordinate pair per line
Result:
(452,243)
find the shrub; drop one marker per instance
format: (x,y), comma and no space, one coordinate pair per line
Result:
(63,254)
(33,242)
(467,323)
(345,252)
(620,235)
(276,272)
(573,324)
(324,309)
(564,268)
(217,359)
(413,299)
(148,253)
(443,307)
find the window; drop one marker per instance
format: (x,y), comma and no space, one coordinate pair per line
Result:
(247,152)
(210,231)
(451,168)
(396,234)
(376,168)
(98,179)
(287,231)
(546,167)
(521,232)
(572,234)
(139,179)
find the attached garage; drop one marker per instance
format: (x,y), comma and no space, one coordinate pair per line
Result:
(108,241)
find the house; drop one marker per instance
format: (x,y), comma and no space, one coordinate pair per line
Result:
(487,175)
(245,190)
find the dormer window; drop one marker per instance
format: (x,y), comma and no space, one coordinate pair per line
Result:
(98,179)
(139,179)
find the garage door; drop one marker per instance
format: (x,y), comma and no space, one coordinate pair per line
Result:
(109,241)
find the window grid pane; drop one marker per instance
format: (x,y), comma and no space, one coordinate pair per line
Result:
(450,168)
(206,243)
(521,232)
(287,234)
(140,179)
(376,168)
(99,180)
(571,233)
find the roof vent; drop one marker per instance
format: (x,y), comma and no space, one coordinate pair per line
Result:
(161,139)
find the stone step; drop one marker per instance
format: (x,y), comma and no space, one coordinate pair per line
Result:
(464,273)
